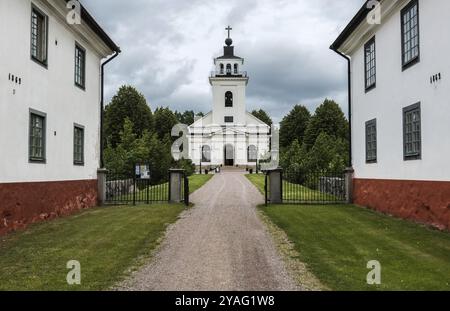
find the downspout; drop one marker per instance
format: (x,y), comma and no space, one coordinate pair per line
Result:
(102,104)
(349,73)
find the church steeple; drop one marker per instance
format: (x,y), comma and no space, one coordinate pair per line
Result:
(228,49)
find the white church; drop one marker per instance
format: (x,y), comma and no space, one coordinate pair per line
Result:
(228,135)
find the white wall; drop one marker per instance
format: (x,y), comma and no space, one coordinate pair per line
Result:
(51,91)
(397,89)
(238,87)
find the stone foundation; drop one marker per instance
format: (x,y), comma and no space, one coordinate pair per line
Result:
(426,202)
(25,203)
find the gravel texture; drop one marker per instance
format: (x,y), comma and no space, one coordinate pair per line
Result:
(220,244)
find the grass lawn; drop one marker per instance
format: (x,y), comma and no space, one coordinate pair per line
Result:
(106,241)
(294,192)
(337,241)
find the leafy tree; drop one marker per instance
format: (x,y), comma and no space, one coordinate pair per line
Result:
(263,116)
(164,121)
(127,103)
(186,117)
(328,119)
(293,126)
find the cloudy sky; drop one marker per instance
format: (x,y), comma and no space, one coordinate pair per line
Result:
(169,45)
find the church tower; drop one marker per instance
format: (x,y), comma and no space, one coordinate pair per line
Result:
(229,83)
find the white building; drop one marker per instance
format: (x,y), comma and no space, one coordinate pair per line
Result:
(228,135)
(50,108)
(400,111)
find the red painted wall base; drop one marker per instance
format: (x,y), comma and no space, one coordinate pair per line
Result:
(25,203)
(422,201)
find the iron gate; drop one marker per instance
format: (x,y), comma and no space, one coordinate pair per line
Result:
(313,187)
(138,188)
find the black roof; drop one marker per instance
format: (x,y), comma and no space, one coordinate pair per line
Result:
(228,53)
(90,21)
(350,28)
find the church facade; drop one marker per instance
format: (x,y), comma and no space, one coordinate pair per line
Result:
(228,135)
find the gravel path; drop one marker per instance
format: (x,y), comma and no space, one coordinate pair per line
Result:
(220,244)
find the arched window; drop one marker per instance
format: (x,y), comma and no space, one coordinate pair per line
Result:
(235,69)
(221,69)
(252,154)
(206,154)
(228,99)
(228,69)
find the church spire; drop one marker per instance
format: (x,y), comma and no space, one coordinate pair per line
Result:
(229,41)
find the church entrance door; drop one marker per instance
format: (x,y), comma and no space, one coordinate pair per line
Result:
(228,155)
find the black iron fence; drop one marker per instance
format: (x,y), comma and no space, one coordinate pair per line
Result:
(313,187)
(130,189)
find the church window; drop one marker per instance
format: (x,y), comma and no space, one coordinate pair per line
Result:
(228,99)
(206,154)
(235,69)
(228,69)
(252,153)
(229,119)
(221,69)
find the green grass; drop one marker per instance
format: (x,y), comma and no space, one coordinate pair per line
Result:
(294,192)
(106,242)
(336,242)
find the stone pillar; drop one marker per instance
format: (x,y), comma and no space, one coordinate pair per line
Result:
(349,174)
(176,185)
(275,186)
(101,185)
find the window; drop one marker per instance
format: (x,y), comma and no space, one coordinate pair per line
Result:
(229,119)
(412,137)
(252,154)
(410,34)
(371,141)
(228,69)
(228,99)
(235,69)
(39,23)
(80,66)
(78,145)
(221,69)
(36,145)
(206,154)
(370,64)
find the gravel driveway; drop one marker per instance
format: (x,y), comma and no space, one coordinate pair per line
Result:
(220,244)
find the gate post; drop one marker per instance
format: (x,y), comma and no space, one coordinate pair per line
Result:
(275,186)
(349,172)
(101,186)
(176,185)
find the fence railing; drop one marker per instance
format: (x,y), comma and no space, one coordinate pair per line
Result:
(123,189)
(313,187)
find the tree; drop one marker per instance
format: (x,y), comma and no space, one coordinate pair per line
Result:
(293,126)
(328,119)
(328,154)
(263,116)
(127,103)
(186,117)
(164,121)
